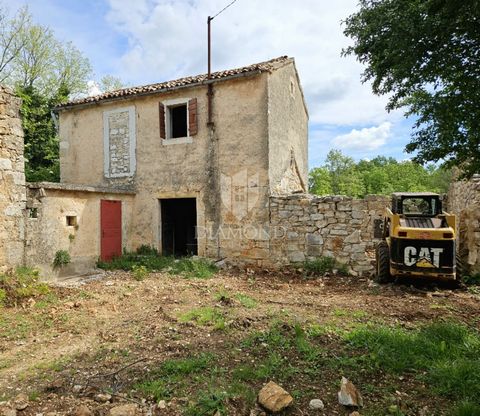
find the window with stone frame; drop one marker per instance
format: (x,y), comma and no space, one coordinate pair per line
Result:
(178,120)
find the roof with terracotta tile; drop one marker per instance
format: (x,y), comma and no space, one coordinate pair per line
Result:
(257,68)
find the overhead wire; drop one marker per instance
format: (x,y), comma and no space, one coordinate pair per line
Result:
(225,8)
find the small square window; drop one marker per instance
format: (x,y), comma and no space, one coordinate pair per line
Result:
(178,121)
(33,213)
(71,220)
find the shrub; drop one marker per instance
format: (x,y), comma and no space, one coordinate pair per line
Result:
(145,250)
(20,285)
(62,258)
(324,265)
(139,272)
(152,262)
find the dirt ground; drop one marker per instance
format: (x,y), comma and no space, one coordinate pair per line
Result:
(104,336)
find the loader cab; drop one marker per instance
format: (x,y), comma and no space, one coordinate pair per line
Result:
(416,204)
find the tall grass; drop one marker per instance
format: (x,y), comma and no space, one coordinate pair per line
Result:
(445,354)
(149,260)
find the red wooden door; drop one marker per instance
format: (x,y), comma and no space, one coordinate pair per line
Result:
(111,229)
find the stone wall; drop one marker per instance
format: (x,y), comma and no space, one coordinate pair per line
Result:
(464,201)
(304,227)
(12,182)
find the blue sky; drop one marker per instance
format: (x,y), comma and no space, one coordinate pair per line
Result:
(146,41)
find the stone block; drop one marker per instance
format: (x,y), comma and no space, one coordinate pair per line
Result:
(314,239)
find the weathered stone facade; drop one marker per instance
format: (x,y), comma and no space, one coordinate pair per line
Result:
(118,136)
(12,181)
(464,202)
(304,227)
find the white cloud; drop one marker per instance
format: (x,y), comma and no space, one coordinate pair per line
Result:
(93,88)
(366,139)
(168,39)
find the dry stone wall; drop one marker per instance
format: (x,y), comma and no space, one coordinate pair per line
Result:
(464,202)
(305,227)
(12,182)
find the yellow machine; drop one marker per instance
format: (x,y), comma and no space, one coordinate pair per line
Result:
(418,239)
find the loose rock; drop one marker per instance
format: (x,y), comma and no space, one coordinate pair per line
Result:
(82,411)
(349,395)
(20,402)
(124,410)
(316,404)
(102,398)
(274,398)
(354,414)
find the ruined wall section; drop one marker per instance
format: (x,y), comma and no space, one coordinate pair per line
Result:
(305,227)
(12,182)
(464,202)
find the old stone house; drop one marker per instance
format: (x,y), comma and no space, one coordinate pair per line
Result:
(144,166)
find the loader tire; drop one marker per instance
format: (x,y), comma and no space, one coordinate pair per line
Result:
(383,263)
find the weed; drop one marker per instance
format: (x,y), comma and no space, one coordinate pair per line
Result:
(448,352)
(163,381)
(208,402)
(149,258)
(139,273)
(472,279)
(246,301)
(145,250)
(323,265)
(205,316)
(62,258)
(20,285)
(466,409)
(193,268)
(223,296)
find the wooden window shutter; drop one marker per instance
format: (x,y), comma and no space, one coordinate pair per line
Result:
(192,117)
(161,115)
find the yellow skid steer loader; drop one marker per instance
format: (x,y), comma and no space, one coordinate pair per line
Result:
(418,239)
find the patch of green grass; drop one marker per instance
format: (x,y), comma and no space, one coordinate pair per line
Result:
(356,314)
(208,402)
(205,316)
(172,375)
(246,301)
(223,296)
(323,265)
(466,409)
(147,259)
(193,268)
(446,355)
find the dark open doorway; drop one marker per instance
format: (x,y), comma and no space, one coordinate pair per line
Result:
(179,220)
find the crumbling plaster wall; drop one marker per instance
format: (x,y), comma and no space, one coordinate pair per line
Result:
(49,231)
(287,133)
(464,202)
(12,182)
(305,227)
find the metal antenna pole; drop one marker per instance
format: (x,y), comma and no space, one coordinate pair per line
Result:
(210,86)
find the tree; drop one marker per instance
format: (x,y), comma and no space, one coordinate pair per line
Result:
(41,141)
(319,181)
(381,176)
(344,180)
(31,56)
(11,41)
(44,72)
(110,83)
(426,56)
